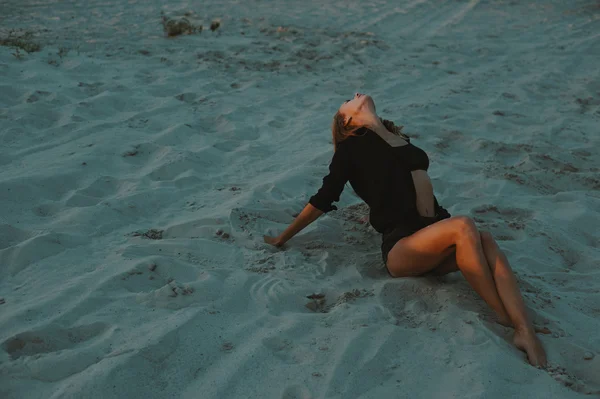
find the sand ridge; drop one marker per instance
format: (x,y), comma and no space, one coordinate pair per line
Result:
(138,174)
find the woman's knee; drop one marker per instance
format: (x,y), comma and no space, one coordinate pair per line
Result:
(465,227)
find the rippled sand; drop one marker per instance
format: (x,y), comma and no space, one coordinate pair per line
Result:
(138,174)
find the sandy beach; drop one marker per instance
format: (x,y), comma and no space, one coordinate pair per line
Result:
(139,173)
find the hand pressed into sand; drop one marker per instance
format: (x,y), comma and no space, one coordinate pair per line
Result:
(276,241)
(308,215)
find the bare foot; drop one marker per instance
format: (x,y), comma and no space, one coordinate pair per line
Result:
(529,343)
(542,330)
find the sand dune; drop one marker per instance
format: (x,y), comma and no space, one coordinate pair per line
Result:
(139,173)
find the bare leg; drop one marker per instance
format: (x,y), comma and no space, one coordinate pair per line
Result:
(499,265)
(427,248)
(508,289)
(424,250)
(447,266)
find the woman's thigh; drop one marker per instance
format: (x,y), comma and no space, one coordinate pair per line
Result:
(425,249)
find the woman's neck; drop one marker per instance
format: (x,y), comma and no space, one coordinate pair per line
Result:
(379,128)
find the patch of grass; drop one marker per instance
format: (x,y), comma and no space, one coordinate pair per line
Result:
(20,41)
(62,52)
(183,26)
(152,234)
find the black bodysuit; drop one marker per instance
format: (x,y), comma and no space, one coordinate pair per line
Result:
(380,175)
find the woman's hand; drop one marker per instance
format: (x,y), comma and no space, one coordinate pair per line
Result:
(276,241)
(308,215)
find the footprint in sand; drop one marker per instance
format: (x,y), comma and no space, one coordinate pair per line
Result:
(187,97)
(51,339)
(46,210)
(533,169)
(228,145)
(164,283)
(38,95)
(516,219)
(254,222)
(296,392)
(10,235)
(412,305)
(286,351)
(19,255)
(581,371)
(91,89)
(99,189)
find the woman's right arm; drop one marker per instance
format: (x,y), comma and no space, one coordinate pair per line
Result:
(308,215)
(321,202)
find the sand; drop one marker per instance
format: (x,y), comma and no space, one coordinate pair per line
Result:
(139,173)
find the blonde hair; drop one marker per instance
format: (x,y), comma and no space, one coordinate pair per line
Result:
(341,130)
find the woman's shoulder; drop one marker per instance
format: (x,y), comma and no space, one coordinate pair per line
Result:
(344,148)
(358,142)
(346,151)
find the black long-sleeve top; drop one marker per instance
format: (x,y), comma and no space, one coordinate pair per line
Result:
(380,175)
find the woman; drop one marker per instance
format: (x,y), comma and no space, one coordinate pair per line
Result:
(419,236)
